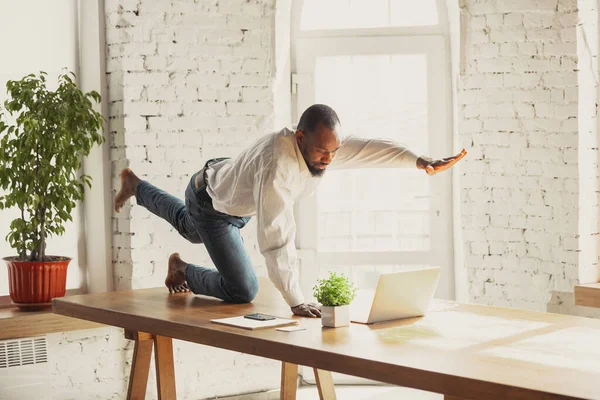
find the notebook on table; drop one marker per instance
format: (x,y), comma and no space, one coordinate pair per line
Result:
(245,323)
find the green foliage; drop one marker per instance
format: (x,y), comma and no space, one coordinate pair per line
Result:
(335,290)
(41,154)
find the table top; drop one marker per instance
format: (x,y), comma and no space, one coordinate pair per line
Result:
(469,351)
(15,323)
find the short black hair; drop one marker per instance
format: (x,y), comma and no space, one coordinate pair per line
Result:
(315,115)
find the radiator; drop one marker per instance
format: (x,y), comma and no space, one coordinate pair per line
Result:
(24,369)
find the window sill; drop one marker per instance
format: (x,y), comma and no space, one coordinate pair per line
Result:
(588,295)
(15,323)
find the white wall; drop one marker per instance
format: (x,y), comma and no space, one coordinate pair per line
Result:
(40,36)
(453,10)
(189,81)
(209,94)
(587,56)
(526,209)
(282,59)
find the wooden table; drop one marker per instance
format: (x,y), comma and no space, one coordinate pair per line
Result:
(587,295)
(467,352)
(15,323)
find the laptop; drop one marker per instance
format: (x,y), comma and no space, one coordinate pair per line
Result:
(404,294)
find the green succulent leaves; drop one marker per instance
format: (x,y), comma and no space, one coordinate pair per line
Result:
(335,290)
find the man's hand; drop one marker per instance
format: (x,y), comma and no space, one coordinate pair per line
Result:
(432,166)
(307,310)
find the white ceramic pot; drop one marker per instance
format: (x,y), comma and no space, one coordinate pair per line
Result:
(335,316)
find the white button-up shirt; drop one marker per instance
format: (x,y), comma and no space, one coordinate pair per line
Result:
(266,179)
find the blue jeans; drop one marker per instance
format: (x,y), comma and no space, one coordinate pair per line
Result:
(234,280)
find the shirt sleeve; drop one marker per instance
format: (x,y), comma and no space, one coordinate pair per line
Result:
(277,233)
(373,153)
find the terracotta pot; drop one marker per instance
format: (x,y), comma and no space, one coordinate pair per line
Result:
(37,282)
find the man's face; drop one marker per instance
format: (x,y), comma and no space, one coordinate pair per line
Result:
(318,148)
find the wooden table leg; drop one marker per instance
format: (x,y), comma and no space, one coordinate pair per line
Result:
(165,367)
(289,381)
(325,384)
(140,364)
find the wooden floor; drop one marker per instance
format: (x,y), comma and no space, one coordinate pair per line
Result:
(370,393)
(348,392)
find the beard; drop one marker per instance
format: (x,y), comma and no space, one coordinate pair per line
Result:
(315,172)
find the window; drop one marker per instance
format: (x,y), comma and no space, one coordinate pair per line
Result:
(383,66)
(356,14)
(390,87)
(367,92)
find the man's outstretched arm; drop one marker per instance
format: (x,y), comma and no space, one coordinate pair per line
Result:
(432,166)
(358,152)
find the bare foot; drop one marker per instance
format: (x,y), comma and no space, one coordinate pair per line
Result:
(129,181)
(175,280)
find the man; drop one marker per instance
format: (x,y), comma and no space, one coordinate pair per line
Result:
(264,180)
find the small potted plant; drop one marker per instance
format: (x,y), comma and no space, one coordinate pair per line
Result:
(40,157)
(335,293)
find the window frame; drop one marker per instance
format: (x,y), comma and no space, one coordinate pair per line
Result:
(306,210)
(430,40)
(307,44)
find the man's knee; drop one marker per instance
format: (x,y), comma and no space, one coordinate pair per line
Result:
(246,293)
(193,238)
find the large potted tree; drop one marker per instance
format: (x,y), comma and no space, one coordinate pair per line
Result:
(44,135)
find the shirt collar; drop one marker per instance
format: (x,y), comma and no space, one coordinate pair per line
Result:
(302,167)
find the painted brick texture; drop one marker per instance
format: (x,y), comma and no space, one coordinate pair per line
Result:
(524,208)
(188,81)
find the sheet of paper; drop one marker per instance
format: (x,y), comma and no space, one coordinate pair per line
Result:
(247,323)
(291,329)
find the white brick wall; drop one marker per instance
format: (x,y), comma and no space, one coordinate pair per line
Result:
(95,364)
(89,364)
(188,81)
(523,103)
